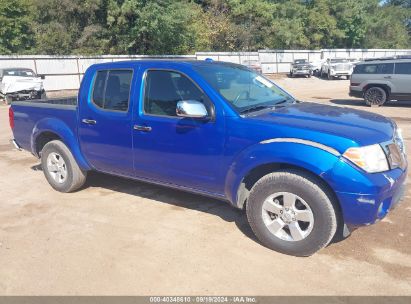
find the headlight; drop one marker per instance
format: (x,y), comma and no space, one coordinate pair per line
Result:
(370,158)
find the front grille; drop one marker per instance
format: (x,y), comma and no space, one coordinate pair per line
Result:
(342,67)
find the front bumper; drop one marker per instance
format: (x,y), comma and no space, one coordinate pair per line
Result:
(356,93)
(302,72)
(366,209)
(340,73)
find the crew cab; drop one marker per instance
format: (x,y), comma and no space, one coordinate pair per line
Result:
(302,172)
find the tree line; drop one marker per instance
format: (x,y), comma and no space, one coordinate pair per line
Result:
(93,27)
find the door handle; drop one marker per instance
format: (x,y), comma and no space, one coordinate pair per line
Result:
(142,128)
(387,77)
(89,121)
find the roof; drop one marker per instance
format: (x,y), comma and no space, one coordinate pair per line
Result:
(385,60)
(186,62)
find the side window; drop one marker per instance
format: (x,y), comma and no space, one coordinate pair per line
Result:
(370,69)
(385,68)
(164,89)
(98,89)
(111,89)
(403,68)
(382,68)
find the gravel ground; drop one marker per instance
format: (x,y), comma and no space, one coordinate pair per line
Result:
(122,237)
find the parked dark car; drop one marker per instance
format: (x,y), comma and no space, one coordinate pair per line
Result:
(301,67)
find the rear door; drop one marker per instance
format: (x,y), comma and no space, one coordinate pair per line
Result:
(402,79)
(105,121)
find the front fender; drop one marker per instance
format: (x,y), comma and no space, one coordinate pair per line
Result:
(66,134)
(322,161)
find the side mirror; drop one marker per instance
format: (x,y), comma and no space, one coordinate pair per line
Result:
(191,108)
(42,76)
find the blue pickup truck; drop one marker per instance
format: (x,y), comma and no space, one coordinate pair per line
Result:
(301,171)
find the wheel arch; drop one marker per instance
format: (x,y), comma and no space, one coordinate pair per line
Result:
(258,172)
(383,86)
(50,129)
(313,161)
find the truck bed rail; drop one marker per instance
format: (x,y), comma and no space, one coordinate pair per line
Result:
(71,101)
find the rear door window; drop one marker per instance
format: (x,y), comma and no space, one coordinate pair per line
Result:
(111,89)
(403,68)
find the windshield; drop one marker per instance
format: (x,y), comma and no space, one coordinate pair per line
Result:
(299,61)
(19,72)
(243,88)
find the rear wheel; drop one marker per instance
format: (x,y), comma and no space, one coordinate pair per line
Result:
(60,168)
(375,96)
(291,213)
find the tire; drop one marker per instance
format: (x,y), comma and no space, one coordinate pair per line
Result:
(56,158)
(375,96)
(312,235)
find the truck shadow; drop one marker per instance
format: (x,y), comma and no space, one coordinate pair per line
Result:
(176,198)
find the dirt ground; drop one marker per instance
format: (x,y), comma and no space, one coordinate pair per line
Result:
(121,237)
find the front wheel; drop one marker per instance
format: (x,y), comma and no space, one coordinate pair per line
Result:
(375,96)
(290,213)
(60,168)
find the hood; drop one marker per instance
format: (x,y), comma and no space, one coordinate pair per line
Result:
(307,120)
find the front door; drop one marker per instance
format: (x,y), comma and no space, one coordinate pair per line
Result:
(105,129)
(175,150)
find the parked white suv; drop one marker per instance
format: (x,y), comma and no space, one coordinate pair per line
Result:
(336,67)
(381,80)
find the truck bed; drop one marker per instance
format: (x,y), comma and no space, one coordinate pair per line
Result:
(32,113)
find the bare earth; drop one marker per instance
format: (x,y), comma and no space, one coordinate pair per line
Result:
(122,237)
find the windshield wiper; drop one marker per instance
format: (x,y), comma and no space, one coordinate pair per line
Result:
(281,101)
(262,107)
(253,109)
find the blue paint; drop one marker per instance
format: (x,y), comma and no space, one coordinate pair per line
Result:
(213,156)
